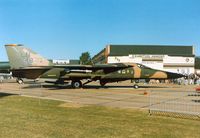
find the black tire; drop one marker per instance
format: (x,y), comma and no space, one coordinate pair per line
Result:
(76,84)
(102,83)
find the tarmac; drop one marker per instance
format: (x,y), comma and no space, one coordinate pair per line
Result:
(120,95)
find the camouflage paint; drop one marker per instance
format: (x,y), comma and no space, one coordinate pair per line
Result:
(20,56)
(25,63)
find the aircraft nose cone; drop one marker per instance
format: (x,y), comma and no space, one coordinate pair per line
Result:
(171,75)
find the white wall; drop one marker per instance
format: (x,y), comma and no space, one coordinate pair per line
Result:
(183,65)
(60,61)
(180,60)
(123,59)
(177,64)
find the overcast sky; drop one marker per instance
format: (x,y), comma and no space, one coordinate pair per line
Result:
(63,29)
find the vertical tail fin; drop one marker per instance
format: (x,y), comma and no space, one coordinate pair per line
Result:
(20,57)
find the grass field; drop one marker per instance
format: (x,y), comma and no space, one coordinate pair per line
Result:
(29,117)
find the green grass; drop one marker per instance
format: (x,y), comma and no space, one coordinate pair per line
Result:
(29,117)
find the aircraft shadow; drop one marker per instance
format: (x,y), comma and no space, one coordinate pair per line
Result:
(2,94)
(120,87)
(54,87)
(32,86)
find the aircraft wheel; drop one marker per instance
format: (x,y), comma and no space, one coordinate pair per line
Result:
(20,81)
(136,86)
(76,84)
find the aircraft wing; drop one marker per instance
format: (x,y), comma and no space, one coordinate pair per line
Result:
(30,72)
(105,67)
(34,72)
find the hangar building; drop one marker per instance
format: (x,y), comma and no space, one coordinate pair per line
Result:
(178,59)
(64,62)
(197,66)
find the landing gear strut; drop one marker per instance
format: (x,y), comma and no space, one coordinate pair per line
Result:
(76,84)
(19,81)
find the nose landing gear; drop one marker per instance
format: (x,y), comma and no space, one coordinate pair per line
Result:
(135,86)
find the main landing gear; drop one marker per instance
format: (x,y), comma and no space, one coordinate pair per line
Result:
(76,84)
(102,83)
(135,83)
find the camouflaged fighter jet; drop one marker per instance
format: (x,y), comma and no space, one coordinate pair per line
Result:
(27,64)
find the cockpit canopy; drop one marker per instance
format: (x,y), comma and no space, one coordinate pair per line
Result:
(143,66)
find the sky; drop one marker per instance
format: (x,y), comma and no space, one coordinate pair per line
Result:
(63,29)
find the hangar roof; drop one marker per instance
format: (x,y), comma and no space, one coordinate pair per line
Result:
(4,65)
(123,50)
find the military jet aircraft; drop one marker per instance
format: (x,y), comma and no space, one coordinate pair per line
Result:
(25,63)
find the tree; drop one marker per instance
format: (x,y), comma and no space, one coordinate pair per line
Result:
(85,58)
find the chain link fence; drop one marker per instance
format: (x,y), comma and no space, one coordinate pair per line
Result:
(175,104)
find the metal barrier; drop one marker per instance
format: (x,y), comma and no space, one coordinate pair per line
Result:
(175,104)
